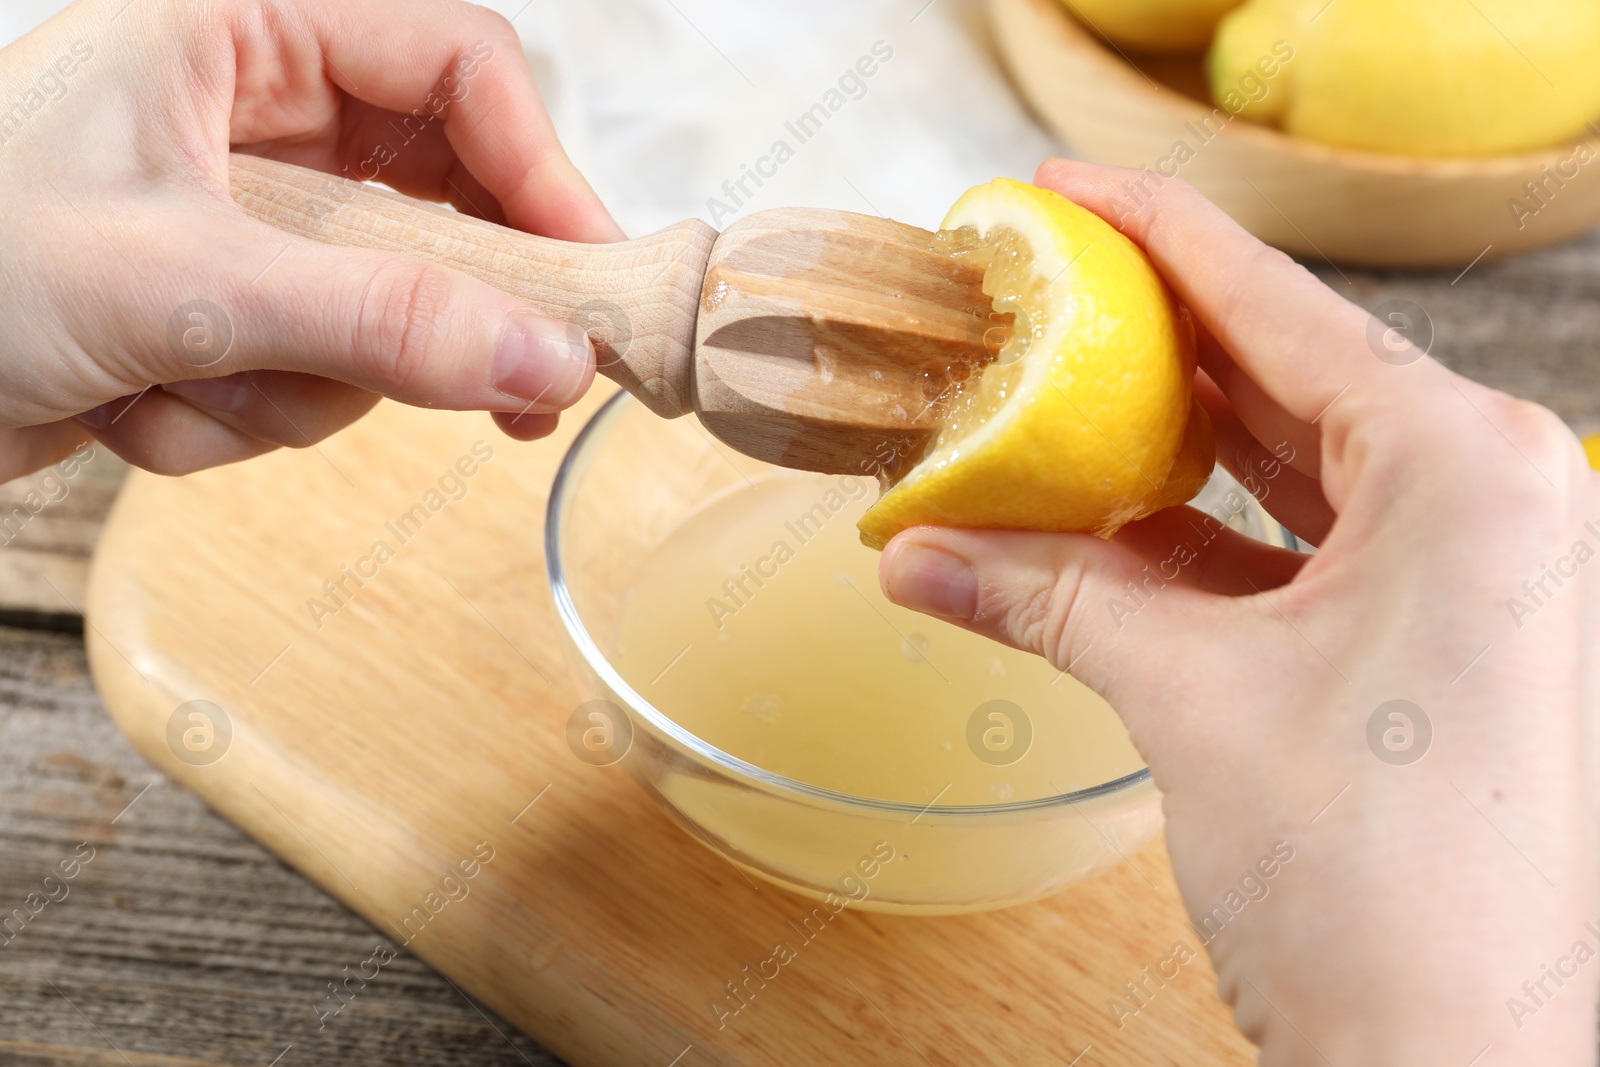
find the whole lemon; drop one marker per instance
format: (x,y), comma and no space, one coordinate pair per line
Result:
(1166,26)
(1415,77)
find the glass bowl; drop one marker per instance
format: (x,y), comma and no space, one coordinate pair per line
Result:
(627,483)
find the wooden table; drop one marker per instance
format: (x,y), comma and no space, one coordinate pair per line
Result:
(183,942)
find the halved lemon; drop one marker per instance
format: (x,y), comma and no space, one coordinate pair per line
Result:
(1086,419)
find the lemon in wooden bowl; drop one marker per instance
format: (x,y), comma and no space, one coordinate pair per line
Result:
(1161,115)
(1418,77)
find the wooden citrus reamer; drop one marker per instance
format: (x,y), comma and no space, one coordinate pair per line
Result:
(813,339)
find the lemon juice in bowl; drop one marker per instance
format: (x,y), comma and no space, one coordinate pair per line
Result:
(811,733)
(759,625)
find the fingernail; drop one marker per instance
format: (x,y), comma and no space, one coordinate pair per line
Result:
(932,581)
(96,418)
(229,393)
(538,362)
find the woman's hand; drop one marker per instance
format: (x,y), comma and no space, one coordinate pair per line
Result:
(126,271)
(1445,849)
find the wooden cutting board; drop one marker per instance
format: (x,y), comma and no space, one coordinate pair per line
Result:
(418,731)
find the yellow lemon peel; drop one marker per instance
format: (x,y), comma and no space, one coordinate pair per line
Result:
(1086,419)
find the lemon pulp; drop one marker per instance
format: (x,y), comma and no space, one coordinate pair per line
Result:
(1085,419)
(1013,288)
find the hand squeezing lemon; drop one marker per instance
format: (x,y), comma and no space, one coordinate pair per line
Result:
(1085,420)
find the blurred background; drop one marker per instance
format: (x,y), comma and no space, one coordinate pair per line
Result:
(661,101)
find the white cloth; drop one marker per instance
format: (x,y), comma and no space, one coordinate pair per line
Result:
(662,101)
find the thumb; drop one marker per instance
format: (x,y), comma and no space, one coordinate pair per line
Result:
(1093,608)
(391,324)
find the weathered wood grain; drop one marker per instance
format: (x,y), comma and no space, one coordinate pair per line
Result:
(1529,325)
(49,522)
(181,941)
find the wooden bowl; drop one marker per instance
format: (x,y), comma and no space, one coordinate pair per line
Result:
(1309,199)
